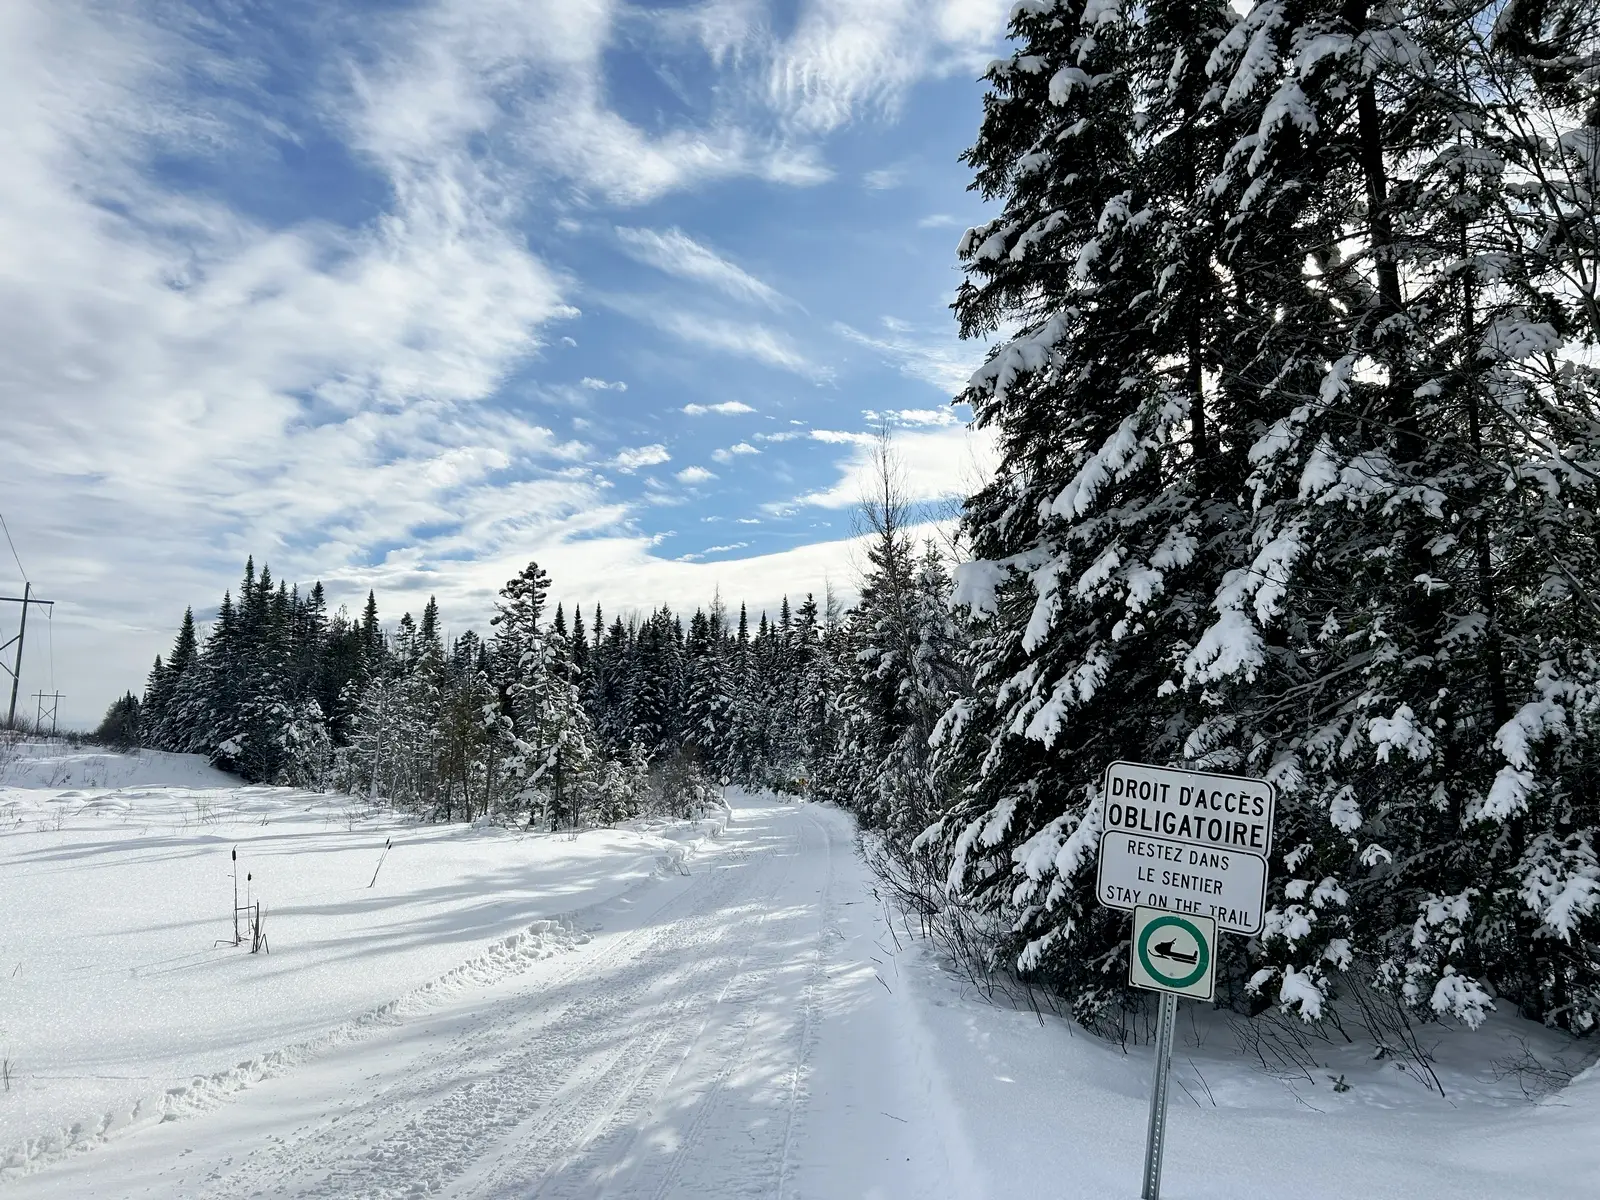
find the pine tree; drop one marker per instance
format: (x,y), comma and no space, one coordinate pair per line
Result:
(1424,550)
(1293,435)
(121,727)
(896,671)
(340,664)
(580,644)
(162,720)
(555,735)
(372,645)
(157,695)
(708,702)
(1114,513)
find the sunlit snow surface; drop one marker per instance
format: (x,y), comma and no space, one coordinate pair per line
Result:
(648,1012)
(113,901)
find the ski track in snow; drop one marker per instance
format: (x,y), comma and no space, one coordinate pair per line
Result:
(754,1028)
(666,1059)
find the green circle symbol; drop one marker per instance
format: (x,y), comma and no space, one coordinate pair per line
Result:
(1175,981)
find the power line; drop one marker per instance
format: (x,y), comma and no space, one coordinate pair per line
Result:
(13,546)
(44,710)
(27,598)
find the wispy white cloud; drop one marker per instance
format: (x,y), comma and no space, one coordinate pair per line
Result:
(710,550)
(450,67)
(729,453)
(603,385)
(911,416)
(933,465)
(632,458)
(845,56)
(839,437)
(937,359)
(746,339)
(676,253)
(694,475)
(837,60)
(728,408)
(884,178)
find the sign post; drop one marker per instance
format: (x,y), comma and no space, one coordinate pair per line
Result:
(1173,954)
(1176,956)
(1155,1139)
(1186,853)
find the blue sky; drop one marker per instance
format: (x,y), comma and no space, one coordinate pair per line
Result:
(400,295)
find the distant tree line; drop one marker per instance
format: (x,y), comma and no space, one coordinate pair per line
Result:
(558,719)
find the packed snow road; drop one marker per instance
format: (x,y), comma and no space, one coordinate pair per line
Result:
(751,1028)
(675,1054)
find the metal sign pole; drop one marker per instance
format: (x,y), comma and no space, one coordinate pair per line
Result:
(1166,1024)
(1219,828)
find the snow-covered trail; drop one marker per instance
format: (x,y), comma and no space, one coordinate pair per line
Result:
(676,1054)
(754,1029)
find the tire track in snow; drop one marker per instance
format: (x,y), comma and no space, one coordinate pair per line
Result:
(587,1164)
(712,1103)
(824,914)
(735,1090)
(414,1135)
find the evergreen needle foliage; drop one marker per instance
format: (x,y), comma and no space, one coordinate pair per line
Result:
(1297,409)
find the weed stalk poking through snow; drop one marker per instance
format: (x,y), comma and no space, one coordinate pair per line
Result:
(381,857)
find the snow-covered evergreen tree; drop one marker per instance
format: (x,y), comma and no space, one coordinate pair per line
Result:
(1296,425)
(555,735)
(1097,543)
(1398,653)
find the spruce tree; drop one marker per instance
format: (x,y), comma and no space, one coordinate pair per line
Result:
(1400,649)
(121,727)
(580,645)
(157,695)
(1296,432)
(164,723)
(1110,516)
(372,646)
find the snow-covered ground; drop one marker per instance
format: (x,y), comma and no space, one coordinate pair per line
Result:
(119,1006)
(56,766)
(753,1027)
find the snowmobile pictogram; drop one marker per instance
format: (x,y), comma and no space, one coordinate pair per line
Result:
(1168,950)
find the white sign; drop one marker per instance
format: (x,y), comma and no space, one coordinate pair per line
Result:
(1173,953)
(1225,885)
(1187,842)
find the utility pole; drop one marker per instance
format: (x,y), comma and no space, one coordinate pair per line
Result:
(15,672)
(40,712)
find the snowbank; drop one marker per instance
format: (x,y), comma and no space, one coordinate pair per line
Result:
(50,764)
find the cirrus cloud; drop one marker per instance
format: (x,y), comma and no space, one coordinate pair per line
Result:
(676,253)
(727,408)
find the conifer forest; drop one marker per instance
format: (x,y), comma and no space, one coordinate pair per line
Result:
(1292,323)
